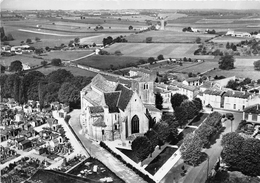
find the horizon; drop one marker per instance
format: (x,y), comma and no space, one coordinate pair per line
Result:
(128,4)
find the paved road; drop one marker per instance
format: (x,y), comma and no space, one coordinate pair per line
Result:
(102,155)
(199,174)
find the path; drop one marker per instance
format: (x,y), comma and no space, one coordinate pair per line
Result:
(199,174)
(102,155)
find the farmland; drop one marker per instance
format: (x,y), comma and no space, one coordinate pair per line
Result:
(168,36)
(26,59)
(106,62)
(74,70)
(153,50)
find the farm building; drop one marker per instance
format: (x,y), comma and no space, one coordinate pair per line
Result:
(237,34)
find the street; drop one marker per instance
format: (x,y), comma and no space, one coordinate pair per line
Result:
(199,174)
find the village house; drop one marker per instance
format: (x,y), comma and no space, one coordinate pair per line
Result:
(115,110)
(213,97)
(252,113)
(236,100)
(192,81)
(237,34)
(190,91)
(25,144)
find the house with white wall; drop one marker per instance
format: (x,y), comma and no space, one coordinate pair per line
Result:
(190,91)
(213,97)
(193,81)
(252,113)
(236,100)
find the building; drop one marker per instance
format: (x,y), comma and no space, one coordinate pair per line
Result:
(252,113)
(236,100)
(115,108)
(166,91)
(190,91)
(193,81)
(213,97)
(237,34)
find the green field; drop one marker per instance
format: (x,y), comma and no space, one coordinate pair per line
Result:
(67,55)
(104,62)
(168,36)
(74,70)
(153,49)
(230,39)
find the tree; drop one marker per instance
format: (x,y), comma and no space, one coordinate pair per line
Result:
(71,43)
(44,63)
(205,132)
(22,92)
(153,137)
(232,84)
(68,93)
(141,147)
(28,41)
(181,115)
(38,51)
(190,107)
(151,60)
(160,57)
(226,62)
(198,40)
(148,39)
(77,40)
(9,37)
(130,27)
(191,149)
(16,88)
(177,99)
(56,62)
(163,131)
(16,66)
(227,45)
(257,65)
(2,69)
(198,103)
(158,101)
(37,39)
(118,53)
(67,118)
(232,145)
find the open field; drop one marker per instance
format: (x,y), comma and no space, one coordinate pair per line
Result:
(106,61)
(74,70)
(246,62)
(202,67)
(153,49)
(26,59)
(230,39)
(240,71)
(168,36)
(67,55)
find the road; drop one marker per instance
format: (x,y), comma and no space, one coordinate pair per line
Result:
(101,154)
(199,174)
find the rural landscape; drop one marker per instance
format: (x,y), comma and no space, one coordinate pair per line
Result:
(129,95)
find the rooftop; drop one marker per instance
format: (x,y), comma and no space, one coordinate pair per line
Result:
(96,109)
(237,94)
(111,100)
(125,97)
(254,109)
(213,92)
(181,85)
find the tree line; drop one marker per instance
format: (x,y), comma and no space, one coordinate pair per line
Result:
(59,85)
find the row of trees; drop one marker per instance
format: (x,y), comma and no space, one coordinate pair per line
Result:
(194,142)
(59,85)
(109,40)
(241,154)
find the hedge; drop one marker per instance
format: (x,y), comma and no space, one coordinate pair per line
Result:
(138,172)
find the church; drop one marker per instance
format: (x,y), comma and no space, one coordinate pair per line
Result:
(115,107)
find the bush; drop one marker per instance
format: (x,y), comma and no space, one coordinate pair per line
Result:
(56,62)
(118,53)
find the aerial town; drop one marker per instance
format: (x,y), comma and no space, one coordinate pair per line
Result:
(118,94)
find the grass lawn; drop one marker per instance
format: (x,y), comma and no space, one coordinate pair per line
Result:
(230,39)
(203,67)
(158,162)
(74,70)
(102,171)
(199,119)
(105,61)
(154,49)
